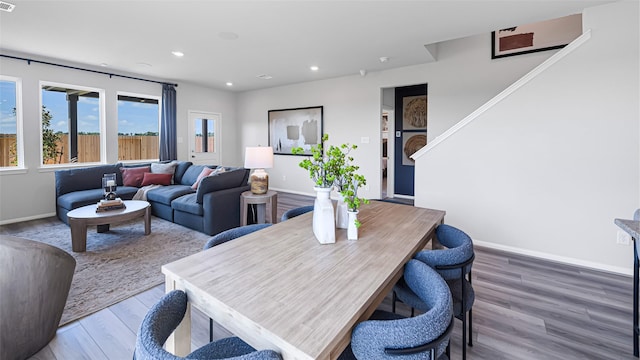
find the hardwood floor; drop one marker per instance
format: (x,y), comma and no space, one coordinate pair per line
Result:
(525,308)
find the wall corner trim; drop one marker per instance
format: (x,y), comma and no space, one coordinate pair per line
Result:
(506,92)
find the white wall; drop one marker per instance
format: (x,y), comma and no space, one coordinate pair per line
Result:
(31,193)
(462,78)
(546,171)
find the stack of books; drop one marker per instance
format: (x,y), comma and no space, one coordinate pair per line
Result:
(106,205)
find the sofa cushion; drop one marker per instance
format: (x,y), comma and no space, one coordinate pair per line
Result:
(226,180)
(86,178)
(80,198)
(188,204)
(180,169)
(132,176)
(156,179)
(166,194)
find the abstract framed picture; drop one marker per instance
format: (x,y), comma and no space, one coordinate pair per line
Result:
(540,36)
(299,127)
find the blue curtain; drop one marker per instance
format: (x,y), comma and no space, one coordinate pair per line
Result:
(168,142)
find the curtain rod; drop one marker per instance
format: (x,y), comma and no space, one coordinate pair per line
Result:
(29,61)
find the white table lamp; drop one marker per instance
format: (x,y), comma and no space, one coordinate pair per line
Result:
(259,158)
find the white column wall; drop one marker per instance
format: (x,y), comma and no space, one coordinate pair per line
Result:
(545,171)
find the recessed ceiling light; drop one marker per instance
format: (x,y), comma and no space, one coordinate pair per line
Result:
(104,64)
(384,59)
(228,35)
(314,68)
(178,53)
(229,83)
(264,77)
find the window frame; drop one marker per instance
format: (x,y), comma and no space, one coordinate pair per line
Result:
(137,95)
(20,166)
(102,123)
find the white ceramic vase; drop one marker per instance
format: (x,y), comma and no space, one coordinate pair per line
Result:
(352,229)
(324,223)
(342,219)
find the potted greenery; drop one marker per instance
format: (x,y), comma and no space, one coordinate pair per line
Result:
(343,170)
(322,171)
(350,195)
(333,167)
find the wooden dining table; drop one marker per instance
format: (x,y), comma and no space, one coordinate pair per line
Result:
(279,288)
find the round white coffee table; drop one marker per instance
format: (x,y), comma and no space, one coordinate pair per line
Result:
(85,216)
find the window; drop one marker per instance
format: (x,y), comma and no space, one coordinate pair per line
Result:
(138,127)
(11,155)
(72,125)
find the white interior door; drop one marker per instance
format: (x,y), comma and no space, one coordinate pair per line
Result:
(204,138)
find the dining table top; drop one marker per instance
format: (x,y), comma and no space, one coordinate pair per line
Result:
(280,289)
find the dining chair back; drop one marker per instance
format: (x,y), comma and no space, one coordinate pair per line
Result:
(163,318)
(454,264)
(391,336)
(234,233)
(291,213)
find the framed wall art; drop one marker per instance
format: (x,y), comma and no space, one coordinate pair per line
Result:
(540,36)
(289,128)
(412,142)
(414,112)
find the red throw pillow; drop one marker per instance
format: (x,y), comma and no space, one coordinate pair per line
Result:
(156,179)
(205,172)
(133,176)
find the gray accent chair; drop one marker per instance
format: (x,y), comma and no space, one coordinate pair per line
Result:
(163,318)
(34,284)
(391,336)
(454,265)
(291,213)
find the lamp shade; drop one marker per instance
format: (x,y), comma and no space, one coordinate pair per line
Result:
(259,157)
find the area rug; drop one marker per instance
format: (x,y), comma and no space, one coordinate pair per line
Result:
(117,264)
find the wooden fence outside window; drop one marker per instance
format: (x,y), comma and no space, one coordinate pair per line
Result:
(134,147)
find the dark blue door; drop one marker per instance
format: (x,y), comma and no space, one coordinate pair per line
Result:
(410,133)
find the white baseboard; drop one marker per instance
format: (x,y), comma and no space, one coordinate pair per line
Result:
(34,217)
(399,196)
(561,259)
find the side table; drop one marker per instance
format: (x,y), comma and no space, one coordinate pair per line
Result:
(266,204)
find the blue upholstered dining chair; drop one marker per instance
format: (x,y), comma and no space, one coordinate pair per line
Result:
(291,213)
(234,233)
(163,318)
(454,265)
(391,336)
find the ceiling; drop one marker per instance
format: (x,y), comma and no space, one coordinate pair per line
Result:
(237,41)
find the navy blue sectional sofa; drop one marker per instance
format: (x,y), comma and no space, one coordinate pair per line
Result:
(212,208)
